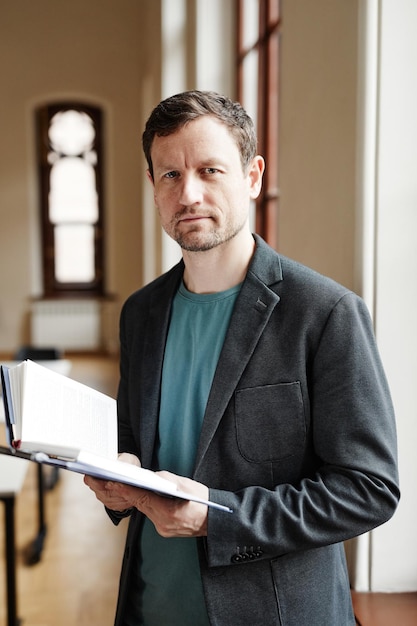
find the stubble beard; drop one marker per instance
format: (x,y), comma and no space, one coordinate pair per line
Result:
(197,240)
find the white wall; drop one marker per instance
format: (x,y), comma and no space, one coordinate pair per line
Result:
(394,546)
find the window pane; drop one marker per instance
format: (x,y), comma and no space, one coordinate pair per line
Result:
(73,193)
(250,32)
(71,132)
(74,253)
(258,53)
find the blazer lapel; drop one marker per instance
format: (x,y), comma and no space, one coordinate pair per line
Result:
(153,357)
(253,309)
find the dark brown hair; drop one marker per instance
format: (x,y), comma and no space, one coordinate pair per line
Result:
(173,113)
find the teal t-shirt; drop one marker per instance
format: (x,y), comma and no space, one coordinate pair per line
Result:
(169,576)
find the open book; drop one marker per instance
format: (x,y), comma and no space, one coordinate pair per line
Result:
(56,420)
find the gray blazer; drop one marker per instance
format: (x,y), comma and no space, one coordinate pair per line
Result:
(298,439)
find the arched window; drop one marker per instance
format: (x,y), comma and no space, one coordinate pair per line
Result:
(71,199)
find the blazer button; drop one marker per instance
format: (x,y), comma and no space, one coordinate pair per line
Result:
(238,556)
(258,552)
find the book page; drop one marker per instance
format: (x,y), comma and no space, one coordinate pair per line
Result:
(57,410)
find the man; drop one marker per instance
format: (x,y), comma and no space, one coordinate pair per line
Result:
(250,380)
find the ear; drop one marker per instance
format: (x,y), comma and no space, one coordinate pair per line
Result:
(150,178)
(255,173)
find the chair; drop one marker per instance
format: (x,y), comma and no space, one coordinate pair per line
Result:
(38,354)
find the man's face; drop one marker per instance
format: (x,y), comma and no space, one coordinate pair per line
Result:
(200,190)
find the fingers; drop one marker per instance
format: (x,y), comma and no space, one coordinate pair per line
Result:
(113,495)
(94,483)
(127,457)
(173,517)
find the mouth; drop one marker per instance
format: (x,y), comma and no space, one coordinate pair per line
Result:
(191,219)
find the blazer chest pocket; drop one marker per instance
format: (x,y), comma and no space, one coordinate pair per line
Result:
(270,422)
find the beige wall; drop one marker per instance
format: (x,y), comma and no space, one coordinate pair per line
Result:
(80,49)
(318,135)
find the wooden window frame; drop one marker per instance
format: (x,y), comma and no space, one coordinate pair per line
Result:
(51,287)
(268,47)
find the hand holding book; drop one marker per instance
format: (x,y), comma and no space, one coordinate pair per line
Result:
(58,421)
(172,517)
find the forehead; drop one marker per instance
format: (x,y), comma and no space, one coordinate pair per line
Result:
(205,136)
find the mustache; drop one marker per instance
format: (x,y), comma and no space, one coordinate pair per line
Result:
(190,212)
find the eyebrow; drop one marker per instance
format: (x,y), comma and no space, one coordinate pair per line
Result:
(210,162)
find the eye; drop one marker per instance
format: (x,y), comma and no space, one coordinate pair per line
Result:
(172,174)
(210,170)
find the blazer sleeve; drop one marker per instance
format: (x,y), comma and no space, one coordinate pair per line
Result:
(354,487)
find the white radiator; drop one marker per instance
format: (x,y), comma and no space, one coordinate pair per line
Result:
(66,324)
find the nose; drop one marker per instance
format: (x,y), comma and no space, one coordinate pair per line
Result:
(191,190)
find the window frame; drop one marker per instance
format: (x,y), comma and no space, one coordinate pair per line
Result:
(267,46)
(52,287)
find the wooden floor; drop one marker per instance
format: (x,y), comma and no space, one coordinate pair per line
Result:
(75,583)
(385,609)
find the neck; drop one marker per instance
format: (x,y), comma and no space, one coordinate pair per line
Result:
(221,267)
